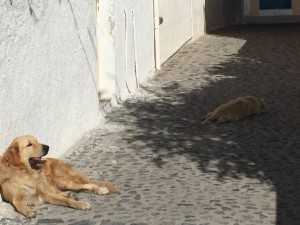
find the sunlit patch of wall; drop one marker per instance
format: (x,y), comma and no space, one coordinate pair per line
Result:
(48,71)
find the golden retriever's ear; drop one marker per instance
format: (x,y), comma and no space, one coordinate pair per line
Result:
(12,155)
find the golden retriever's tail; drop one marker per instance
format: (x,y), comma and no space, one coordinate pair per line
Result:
(112,189)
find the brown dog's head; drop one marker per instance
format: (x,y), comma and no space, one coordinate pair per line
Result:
(259,102)
(26,149)
(262,104)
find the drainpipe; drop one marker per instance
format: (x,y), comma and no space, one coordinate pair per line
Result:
(156,35)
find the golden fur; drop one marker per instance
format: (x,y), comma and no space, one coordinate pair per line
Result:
(28,180)
(236,109)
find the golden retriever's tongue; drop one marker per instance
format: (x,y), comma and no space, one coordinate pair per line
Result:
(37,160)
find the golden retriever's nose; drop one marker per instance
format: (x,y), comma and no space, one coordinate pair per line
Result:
(45,149)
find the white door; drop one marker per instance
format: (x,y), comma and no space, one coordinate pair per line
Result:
(176,28)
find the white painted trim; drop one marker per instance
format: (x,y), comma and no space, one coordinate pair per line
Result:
(275,12)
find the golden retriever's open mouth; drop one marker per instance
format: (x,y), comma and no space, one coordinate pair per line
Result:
(34,161)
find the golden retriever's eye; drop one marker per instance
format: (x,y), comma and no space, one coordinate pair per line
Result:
(30,144)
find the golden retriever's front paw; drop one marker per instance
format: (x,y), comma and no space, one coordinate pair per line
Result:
(30,214)
(85,206)
(103,191)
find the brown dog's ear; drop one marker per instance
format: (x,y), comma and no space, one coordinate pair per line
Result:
(12,155)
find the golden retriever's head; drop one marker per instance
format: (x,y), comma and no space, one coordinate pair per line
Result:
(26,149)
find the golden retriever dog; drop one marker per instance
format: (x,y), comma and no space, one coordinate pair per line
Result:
(236,109)
(28,179)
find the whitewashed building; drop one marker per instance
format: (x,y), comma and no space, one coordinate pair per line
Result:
(59,58)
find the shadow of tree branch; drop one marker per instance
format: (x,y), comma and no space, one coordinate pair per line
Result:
(264,147)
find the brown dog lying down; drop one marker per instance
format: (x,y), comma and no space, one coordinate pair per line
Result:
(236,109)
(26,179)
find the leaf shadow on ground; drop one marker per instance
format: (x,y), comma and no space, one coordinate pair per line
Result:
(265,147)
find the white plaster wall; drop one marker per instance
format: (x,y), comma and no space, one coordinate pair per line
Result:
(48,63)
(47,71)
(126,44)
(198,7)
(106,50)
(134,44)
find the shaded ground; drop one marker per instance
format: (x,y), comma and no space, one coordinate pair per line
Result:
(171,169)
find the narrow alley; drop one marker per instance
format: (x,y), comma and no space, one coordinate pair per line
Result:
(173,170)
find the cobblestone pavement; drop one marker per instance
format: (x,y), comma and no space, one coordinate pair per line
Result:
(171,169)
